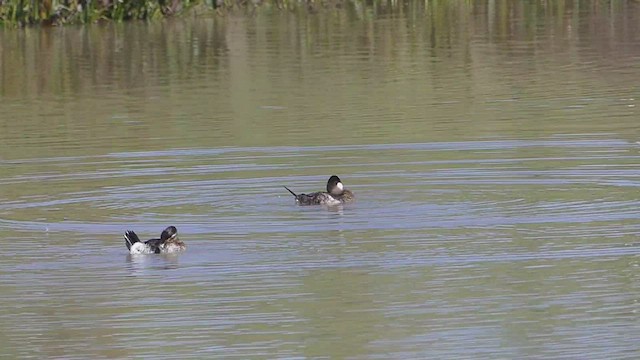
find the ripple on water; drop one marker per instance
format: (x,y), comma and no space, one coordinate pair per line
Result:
(448,243)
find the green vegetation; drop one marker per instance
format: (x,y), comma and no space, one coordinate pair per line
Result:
(55,12)
(58,12)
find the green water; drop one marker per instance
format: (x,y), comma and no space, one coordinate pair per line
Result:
(493,148)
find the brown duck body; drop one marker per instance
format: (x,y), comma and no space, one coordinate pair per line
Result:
(335,194)
(173,245)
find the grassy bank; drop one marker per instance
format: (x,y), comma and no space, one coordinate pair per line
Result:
(57,12)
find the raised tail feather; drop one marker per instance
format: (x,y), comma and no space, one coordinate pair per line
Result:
(130,238)
(292,193)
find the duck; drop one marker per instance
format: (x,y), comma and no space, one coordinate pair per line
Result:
(336,194)
(167,243)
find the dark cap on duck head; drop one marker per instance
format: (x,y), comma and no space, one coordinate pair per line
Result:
(168,233)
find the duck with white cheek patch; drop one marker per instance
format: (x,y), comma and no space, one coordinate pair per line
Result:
(166,244)
(336,194)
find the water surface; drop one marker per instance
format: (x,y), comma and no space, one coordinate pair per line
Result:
(493,150)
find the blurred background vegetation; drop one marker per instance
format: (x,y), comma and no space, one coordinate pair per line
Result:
(58,12)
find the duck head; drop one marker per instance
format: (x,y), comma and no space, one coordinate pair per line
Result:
(334,186)
(169,233)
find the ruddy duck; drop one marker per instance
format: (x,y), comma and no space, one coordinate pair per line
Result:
(168,243)
(336,194)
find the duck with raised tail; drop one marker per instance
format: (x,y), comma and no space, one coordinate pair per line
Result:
(167,243)
(336,194)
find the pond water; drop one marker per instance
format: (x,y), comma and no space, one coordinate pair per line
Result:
(493,148)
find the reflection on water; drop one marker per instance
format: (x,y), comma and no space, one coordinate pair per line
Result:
(506,69)
(492,146)
(141,265)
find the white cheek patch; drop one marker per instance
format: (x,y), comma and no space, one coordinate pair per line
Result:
(339,185)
